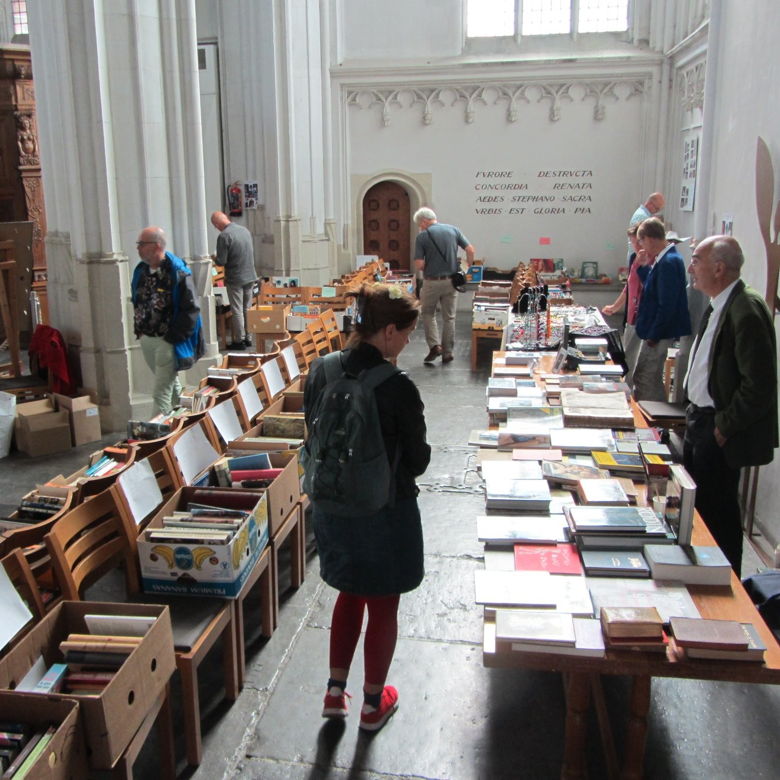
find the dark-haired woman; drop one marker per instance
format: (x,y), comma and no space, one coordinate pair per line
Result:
(372,559)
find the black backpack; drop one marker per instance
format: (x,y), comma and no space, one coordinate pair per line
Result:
(346,469)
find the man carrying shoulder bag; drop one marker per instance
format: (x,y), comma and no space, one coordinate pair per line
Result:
(436,255)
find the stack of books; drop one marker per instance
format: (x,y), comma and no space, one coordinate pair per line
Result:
(616,527)
(21,746)
(725,640)
(691,564)
(537,631)
(633,628)
(112,459)
(596,410)
(36,507)
(246,471)
(198,524)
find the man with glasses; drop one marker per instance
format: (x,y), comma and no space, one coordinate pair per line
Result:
(166,316)
(731,386)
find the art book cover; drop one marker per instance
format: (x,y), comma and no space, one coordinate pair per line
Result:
(556,559)
(619,461)
(542,455)
(567,473)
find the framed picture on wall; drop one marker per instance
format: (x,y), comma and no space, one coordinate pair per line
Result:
(690,165)
(589,270)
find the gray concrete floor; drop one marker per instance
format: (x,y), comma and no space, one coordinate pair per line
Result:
(456,719)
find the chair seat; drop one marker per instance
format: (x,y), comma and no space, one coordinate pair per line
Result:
(189,616)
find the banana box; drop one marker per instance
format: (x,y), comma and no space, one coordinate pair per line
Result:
(203,562)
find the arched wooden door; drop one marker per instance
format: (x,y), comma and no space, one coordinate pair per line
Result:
(386,224)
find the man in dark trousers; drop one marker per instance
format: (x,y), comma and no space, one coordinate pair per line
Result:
(731,388)
(436,255)
(235,252)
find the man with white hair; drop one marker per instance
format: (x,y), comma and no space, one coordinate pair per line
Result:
(166,317)
(436,255)
(731,386)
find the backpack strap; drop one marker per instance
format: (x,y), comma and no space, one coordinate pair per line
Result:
(373,377)
(333,367)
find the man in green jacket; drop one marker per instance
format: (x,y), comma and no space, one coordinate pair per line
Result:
(732,389)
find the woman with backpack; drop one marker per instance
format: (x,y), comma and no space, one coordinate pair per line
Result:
(366,520)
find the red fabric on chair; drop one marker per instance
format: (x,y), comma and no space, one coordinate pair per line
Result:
(48,347)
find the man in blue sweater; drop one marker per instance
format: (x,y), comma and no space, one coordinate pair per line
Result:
(663,309)
(166,316)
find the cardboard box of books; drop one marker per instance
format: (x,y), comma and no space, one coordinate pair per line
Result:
(267,319)
(115,699)
(84,418)
(283,491)
(51,741)
(204,541)
(40,429)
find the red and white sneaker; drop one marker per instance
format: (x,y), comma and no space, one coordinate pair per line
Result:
(336,705)
(373,718)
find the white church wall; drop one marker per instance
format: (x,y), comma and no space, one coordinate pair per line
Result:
(746,109)
(548,179)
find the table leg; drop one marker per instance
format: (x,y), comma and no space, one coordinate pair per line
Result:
(577,705)
(473,350)
(636,732)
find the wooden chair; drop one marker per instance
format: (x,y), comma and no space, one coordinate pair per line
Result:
(34,533)
(331,327)
(201,436)
(91,486)
(94,538)
(305,349)
(319,336)
(272,373)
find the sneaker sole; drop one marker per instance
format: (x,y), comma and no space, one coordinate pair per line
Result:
(378,725)
(332,713)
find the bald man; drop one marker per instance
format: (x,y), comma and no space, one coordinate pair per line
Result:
(731,386)
(235,252)
(653,205)
(166,316)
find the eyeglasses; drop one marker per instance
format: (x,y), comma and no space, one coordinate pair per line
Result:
(141,243)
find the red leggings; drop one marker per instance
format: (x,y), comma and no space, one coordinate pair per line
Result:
(381,633)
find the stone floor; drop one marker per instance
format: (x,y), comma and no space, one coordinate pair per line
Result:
(457,720)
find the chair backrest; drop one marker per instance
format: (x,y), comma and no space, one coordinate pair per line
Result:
(305,349)
(271,294)
(22,578)
(331,326)
(86,543)
(90,486)
(165,472)
(273,377)
(319,336)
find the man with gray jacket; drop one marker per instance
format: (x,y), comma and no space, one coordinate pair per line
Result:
(236,253)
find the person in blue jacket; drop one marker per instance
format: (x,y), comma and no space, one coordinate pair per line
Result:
(166,316)
(663,316)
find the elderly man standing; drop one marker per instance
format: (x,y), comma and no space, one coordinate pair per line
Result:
(236,253)
(436,255)
(662,316)
(166,316)
(731,420)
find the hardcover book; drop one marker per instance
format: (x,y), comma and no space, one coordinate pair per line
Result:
(588,641)
(693,565)
(607,519)
(498,471)
(539,455)
(604,492)
(635,622)
(565,473)
(667,597)
(708,633)
(534,626)
(522,495)
(556,559)
(614,563)
(619,461)
(582,439)
(514,588)
(509,440)
(754,651)
(509,529)
(549,416)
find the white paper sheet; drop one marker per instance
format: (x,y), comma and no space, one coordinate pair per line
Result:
(194,453)
(14,614)
(273,377)
(290,362)
(224,416)
(140,489)
(251,399)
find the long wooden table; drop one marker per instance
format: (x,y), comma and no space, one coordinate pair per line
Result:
(582,675)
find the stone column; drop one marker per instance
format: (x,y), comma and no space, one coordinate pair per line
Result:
(120,138)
